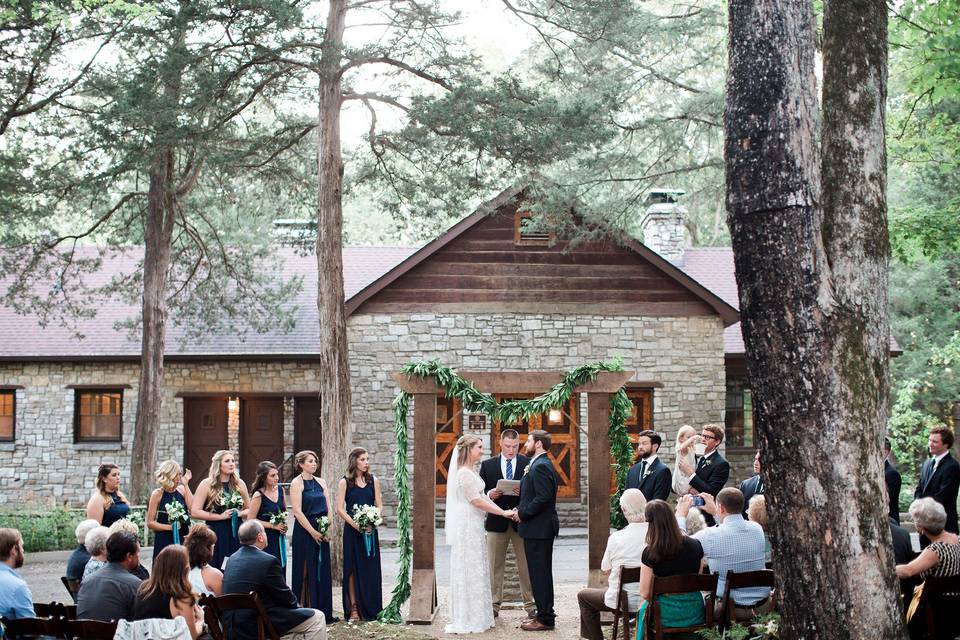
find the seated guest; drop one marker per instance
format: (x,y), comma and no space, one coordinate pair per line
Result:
(623,550)
(109,593)
(128,525)
(695,521)
(252,569)
(205,579)
(735,545)
(669,553)
(96,544)
(757,512)
(902,554)
(16,601)
(940,559)
(80,556)
(168,593)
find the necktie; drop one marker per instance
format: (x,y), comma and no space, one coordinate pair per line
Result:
(509,469)
(759,486)
(643,468)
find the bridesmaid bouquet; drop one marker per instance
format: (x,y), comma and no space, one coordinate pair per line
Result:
(280,519)
(232,501)
(176,514)
(323,527)
(367,518)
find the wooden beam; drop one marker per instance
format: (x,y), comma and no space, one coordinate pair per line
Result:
(423,597)
(515,382)
(598,485)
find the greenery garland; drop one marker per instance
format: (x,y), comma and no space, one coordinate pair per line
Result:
(509,411)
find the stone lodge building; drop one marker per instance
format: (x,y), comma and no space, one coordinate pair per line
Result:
(488,295)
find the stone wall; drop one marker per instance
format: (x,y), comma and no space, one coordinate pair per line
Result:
(45,467)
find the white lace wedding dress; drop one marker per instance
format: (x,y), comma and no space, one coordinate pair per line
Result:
(470,601)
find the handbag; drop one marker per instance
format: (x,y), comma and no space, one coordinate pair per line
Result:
(915,601)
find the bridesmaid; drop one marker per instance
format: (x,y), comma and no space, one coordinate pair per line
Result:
(362,597)
(173,488)
(223,479)
(266,500)
(308,495)
(108,504)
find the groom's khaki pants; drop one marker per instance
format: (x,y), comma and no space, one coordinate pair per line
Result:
(497,557)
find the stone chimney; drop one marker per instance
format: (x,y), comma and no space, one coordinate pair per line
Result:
(662,224)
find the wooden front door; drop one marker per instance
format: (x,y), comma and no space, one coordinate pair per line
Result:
(307,434)
(261,434)
(449,430)
(563,430)
(204,433)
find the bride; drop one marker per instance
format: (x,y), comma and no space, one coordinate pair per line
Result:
(471,604)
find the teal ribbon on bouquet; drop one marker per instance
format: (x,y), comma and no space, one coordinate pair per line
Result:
(319,558)
(176,532)
(233,521)
(368,543)
(283,550)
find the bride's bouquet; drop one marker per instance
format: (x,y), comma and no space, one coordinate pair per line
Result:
(367,517)
(279,519)
(233,501)
(176,515)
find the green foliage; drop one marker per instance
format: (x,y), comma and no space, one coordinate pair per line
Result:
(765,627)
(475,401)
(44,530)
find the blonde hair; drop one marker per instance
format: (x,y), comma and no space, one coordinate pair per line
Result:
(215,489)
(685,432)
(464,444)
(166,473)
(757,510)
(125,525)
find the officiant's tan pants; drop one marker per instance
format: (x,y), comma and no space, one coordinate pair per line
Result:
(497,557)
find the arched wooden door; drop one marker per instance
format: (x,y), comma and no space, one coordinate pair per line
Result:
(564,449)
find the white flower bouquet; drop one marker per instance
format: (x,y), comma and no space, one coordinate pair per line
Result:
(176,516)
(367,518)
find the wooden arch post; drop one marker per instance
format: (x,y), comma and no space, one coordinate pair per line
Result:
(423,598)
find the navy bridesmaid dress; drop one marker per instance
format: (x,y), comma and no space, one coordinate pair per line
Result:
(357,562)
(267,508)
(117,511)
(227,543)
(162,539)
(314,588)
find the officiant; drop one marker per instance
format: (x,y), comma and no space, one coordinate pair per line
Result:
(501,532)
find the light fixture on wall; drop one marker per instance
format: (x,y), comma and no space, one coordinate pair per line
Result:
(555,416)
(232,404)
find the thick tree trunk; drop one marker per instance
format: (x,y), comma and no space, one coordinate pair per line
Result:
(335,416)
(813,288)
(156,266)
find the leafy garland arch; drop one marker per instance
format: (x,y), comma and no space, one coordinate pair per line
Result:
(475,401)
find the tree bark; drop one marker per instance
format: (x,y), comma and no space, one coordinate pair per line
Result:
(811,268)
(335,412)
(158,231)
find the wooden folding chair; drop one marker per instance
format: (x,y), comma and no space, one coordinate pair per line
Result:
(941,601)
(213,622)
(243,602)
(30,628)
(90,629)
(694,582)
(734,580)
(49,610)
(627,575)
(72,586)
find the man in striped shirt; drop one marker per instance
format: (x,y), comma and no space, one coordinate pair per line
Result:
(734,545)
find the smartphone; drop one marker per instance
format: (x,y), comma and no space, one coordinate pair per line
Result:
(697,502)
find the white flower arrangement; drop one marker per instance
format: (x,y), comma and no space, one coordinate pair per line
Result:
(323,525)
(366,515)
(176,512)
(279,518)
(230,501)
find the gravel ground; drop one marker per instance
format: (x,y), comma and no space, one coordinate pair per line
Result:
(42,572)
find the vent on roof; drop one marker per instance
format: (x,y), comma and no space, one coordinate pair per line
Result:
(526,231)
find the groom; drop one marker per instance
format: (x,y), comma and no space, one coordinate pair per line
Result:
(539,525)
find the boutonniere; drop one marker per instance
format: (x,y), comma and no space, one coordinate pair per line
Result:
(708,462)
(526,470)
(646,473)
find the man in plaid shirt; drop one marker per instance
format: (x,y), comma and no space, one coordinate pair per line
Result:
(736,545)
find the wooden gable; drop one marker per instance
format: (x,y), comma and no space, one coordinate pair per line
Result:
(484,268)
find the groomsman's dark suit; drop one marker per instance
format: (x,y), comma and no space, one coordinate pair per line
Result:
(752,486)
(893,481)
(539,525)
(711,475)
(491,472)
(942,485)
(654,482)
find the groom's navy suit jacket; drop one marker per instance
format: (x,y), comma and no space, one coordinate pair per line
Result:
(538,501)
(490,472)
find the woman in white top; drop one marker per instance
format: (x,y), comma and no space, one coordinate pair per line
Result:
(687,439)
(206,580)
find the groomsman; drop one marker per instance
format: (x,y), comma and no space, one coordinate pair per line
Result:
(501,532)
(650,475)
(539,525)
(752,486)
(892,479)
(940,475)
(712,470)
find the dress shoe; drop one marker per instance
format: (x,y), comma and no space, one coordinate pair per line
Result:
(535,625)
